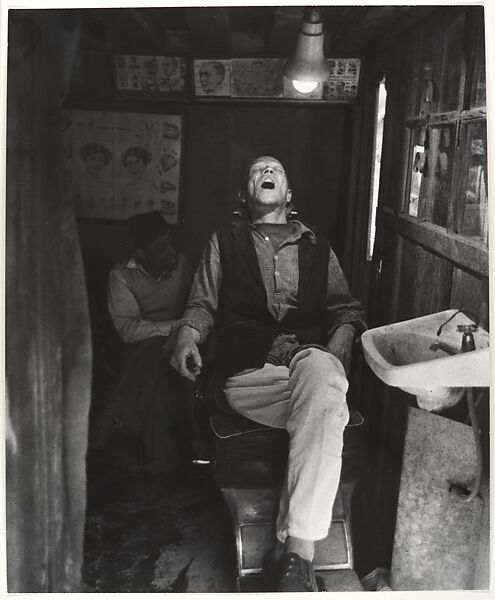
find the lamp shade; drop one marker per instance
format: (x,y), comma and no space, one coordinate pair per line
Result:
(308,61)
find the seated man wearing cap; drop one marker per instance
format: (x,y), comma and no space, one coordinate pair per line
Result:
(146,294)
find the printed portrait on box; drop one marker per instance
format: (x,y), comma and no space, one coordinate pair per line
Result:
(212,77)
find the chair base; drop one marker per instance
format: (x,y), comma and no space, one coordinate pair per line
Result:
(254,513)
(327,581)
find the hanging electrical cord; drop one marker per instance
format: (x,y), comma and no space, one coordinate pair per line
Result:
(468,313)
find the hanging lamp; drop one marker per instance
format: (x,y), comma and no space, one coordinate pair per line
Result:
(307,66)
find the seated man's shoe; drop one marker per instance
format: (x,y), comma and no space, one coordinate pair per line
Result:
(296,574)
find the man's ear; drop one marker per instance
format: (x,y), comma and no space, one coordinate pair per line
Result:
(288,196)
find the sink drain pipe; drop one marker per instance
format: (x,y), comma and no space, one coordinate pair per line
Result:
(459,490)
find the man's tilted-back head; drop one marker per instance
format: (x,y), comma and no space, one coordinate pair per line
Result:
(265,188)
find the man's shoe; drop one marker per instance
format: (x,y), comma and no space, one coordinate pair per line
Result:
(296,574)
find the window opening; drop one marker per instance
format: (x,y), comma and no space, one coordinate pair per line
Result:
(440,172)
(381,101)
(417,162)
(474,204)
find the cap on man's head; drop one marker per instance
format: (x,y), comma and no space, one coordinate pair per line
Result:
(147,227)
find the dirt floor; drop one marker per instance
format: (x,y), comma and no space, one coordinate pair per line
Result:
(150,534)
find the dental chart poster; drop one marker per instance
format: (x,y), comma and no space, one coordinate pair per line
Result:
(120,164)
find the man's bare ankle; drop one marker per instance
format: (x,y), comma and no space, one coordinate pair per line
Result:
(305,548)
(277,550)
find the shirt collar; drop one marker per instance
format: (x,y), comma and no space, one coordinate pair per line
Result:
(134,264)
(301,230)
(305,230)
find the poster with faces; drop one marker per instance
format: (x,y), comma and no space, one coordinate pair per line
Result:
(212,77)
(122,164)
(264,78)
(158,74)
(257,78)
(342,83)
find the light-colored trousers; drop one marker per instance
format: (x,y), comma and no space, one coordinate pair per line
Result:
(309,400)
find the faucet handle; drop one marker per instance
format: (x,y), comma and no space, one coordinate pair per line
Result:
(467,343)
(469,328)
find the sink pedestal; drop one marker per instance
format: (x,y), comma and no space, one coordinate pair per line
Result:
(437,535)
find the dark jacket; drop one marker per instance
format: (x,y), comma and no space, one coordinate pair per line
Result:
(246,328)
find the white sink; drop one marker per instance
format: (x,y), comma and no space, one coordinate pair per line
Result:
(400,354)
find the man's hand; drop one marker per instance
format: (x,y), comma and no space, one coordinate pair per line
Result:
(340,345)
(186,358)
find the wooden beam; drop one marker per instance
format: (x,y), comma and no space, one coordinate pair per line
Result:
(369,28)
(458,250)
(407,20)
(342,27)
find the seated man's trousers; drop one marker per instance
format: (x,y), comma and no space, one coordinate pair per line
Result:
(309,400)
(153,401)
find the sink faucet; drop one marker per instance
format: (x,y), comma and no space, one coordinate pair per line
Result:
(445,347)
(467,343)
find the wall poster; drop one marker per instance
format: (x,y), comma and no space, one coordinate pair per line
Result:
(122,164)
(212,77)
(257,78)
(342,83)
(150,76)
(264,78)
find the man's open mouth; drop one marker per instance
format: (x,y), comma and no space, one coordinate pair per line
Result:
(268,185)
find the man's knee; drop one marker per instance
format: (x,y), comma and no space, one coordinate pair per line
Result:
(319,369)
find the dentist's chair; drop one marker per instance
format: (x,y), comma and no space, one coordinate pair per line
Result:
(249,462)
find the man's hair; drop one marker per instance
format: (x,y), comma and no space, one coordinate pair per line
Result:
(95,148)
(137,152)
(219,68)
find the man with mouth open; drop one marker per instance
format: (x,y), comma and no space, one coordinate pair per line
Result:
(285,321)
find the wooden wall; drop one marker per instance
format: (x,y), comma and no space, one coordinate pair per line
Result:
(48,348)
(220,139)
(417,269)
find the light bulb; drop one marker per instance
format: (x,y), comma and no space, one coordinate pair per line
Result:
(304,87)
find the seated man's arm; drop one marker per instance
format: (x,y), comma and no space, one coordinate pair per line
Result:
(199,317)
(345,316)
(126,314)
